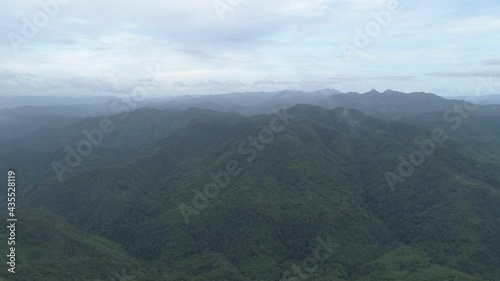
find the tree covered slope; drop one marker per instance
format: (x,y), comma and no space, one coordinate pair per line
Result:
(301,193)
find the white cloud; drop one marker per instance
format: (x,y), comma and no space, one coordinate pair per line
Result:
(482,24)
(283,40)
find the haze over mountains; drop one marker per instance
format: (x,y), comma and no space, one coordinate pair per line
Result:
(245,103)
(221,188)
(19,101)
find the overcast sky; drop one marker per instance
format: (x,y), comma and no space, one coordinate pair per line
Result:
(204,46)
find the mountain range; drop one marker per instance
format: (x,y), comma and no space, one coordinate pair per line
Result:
(258,186)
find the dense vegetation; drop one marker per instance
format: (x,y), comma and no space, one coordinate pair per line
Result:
(203,195)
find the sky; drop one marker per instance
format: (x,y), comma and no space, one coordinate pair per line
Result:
(195,47)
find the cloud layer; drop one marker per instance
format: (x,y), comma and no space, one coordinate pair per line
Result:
(76,47)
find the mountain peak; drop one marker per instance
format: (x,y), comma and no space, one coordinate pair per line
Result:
(389,91)
(373,91)
(328,92)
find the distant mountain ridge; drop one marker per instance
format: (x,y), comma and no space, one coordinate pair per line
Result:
(388,104)
(18,101)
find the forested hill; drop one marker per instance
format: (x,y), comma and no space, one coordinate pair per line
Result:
(308,192)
